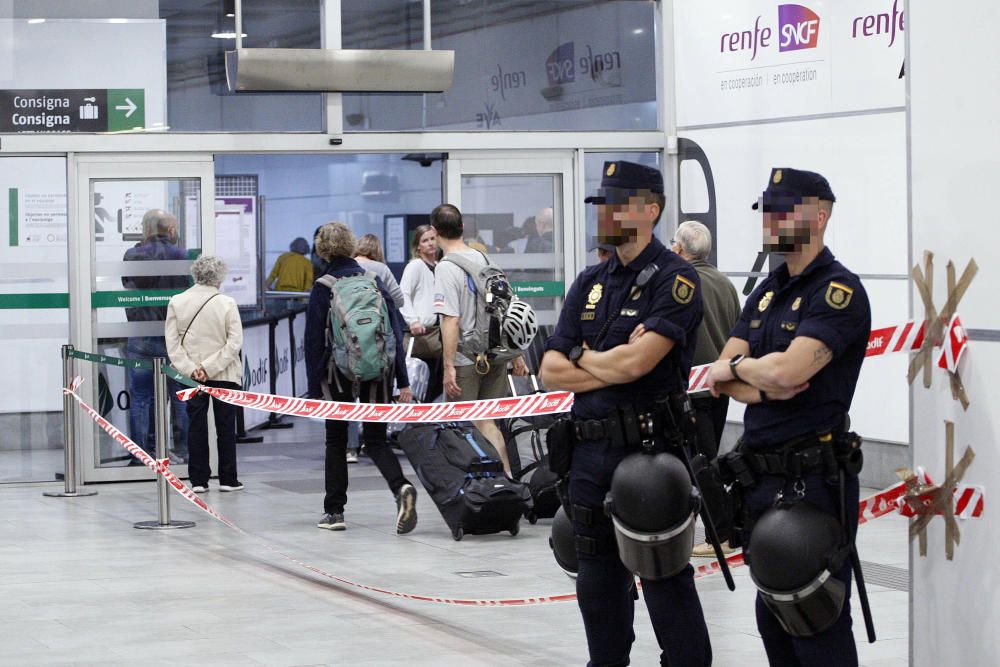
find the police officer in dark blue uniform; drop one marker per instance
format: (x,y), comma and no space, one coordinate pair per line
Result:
(793,358)
(625,339)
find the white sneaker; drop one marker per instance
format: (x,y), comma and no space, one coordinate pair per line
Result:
(352,456)
(199,489)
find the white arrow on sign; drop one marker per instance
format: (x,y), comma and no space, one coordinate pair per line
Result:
(129,107)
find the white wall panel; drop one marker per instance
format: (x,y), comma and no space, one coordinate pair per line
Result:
(955,160)
(863,157)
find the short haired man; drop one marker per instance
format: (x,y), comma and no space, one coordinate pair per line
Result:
(693,242)
(794,358)
(455,302)
(624,341)
(159,242)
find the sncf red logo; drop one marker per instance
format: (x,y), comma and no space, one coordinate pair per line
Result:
(798,28)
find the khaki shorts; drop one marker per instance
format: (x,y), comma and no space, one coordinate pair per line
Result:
(479,387)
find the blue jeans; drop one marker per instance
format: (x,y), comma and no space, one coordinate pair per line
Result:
(141,409)
(835,647)
(604,588)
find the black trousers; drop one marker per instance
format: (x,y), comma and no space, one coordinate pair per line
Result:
(711,423)
(375,444)
(225,431)
(604,588)
(835,647)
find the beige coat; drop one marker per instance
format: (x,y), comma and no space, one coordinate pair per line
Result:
(215,338)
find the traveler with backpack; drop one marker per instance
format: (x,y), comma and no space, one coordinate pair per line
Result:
(353,350)
(483,324)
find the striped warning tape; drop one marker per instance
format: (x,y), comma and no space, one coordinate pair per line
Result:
(876,509)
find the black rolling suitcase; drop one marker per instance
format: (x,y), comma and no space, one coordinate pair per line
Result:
(463,475)
(529,462)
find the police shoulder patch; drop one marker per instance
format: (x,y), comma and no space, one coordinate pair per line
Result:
(683,290)
(838,296)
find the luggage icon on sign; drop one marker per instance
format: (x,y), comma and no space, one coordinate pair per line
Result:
(89,111)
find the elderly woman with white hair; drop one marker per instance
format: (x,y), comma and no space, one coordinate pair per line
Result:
(204,336)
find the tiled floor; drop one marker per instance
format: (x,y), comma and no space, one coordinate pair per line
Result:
(79,585)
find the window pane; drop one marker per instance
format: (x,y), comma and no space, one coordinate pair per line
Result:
(197,97)
(569,65)
(34,316)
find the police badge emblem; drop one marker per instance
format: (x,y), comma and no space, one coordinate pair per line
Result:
(683,290)
(777,176)
(838,296)
(797,303)
(596,292)
(765,301)
(611,169)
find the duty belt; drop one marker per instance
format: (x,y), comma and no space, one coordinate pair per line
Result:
(626,426)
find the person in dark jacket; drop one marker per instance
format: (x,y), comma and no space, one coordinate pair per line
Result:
(159,243)
(336,244)
(693,242)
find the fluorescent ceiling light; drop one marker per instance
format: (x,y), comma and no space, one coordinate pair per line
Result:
(36,20)
(117,20)
(226,35)
(638,31)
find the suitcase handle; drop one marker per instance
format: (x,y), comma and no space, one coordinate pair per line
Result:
(513,389)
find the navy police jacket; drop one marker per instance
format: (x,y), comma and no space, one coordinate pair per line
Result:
(826,302)
(669,304)
(318,315)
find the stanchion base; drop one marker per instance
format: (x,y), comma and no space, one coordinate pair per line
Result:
(156,525)
(70,494)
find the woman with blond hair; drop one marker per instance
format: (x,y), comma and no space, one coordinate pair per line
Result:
(371,258)
(417,285)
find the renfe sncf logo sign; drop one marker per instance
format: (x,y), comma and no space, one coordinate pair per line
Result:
(798,28)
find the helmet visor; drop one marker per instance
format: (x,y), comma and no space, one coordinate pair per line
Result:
(809,611)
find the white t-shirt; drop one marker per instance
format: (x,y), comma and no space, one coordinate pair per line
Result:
(417,284)
(454,295)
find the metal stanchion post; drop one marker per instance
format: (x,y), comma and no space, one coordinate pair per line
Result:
(161,405)
(69,437)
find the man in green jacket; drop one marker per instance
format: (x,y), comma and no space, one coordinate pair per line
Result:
(693,242)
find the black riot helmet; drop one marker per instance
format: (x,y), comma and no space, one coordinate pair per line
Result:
(563,543)
(794,551)
(652,504)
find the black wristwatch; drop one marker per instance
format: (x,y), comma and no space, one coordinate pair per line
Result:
(733,363)
(575,354)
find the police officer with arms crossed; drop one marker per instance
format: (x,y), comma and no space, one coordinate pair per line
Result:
(615,381)
(794,357)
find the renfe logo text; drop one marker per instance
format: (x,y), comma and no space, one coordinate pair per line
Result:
(879,24)
(798,28)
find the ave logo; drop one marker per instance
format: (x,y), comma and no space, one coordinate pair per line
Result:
(798,28)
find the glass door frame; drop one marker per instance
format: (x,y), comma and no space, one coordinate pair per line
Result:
(84,169)
(521,163)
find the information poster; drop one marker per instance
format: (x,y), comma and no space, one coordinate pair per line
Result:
(236,232)
(283,358)
(256,369)
(299,350)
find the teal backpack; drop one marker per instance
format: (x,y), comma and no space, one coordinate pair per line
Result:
(359,332)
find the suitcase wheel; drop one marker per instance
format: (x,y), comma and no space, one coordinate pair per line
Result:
(457,534)
(515,529)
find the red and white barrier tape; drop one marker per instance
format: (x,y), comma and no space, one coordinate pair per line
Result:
(550,403)
(162,468)
(903,338)
(969,499)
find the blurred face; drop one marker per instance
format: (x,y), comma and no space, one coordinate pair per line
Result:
(790,225)
(619,223)
(428,245)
